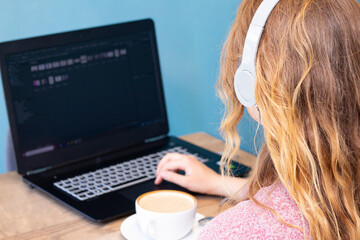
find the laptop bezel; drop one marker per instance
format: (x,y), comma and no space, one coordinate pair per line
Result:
(123,139)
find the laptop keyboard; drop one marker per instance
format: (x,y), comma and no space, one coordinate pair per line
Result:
(117,176)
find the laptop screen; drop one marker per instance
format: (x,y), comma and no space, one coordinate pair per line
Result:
(74,93)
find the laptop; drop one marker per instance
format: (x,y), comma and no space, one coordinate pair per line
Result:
(88,119)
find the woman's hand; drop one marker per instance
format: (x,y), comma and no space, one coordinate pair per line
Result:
(198,177)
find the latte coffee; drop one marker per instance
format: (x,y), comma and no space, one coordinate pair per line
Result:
(166,201)
(166,214)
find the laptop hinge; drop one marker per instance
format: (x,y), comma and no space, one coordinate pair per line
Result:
(37,171)
(149,140)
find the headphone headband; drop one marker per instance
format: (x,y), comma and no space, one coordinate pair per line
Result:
(244,80)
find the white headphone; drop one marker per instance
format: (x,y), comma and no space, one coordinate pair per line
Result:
(244,80)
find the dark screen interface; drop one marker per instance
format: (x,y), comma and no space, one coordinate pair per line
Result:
(69,94)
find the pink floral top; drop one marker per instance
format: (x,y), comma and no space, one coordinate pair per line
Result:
(247,220)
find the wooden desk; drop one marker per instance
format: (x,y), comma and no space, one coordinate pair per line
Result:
(29,214)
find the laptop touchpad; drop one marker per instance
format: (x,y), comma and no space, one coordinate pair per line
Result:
(133,192)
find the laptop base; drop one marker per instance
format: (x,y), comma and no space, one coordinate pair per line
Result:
(121,202)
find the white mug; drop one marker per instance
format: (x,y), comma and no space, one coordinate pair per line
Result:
(166,225)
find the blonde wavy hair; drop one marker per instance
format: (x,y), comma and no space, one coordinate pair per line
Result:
(308,92)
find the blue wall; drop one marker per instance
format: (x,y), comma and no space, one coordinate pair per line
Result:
(190,36)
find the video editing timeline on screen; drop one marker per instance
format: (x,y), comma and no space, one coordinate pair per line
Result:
(65,94)
(70,63)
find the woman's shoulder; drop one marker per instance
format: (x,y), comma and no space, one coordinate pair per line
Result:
(248,220)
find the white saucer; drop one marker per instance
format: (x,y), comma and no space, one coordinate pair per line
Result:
(130,229)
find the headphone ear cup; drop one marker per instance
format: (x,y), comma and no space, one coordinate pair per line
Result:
(244,84)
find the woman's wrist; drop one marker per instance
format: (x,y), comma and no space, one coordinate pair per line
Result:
(215,186)
(226,186)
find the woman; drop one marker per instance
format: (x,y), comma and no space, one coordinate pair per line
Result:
(306,184)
